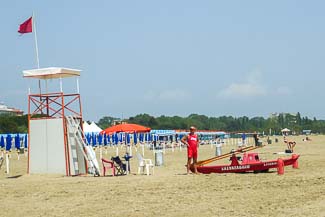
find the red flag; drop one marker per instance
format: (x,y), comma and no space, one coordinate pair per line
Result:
(26,26)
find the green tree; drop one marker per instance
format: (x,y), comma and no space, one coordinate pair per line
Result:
(13,124)
(106,122)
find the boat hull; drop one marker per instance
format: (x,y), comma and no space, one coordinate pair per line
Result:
(247,167)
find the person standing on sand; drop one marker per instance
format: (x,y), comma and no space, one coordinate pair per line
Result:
(192,142)
(255,136)
(243,139)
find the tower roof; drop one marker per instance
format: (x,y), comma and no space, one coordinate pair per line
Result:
(51,73)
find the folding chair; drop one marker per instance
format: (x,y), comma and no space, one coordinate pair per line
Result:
(108,165)
(144,164)
(119,165)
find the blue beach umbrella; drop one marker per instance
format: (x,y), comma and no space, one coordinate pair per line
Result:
(94,139)
(100,139)
(141,137)
(113,138)
(180,137)
(121,138)
(8,142)
(26,141)
(128,139)
(149,137)
(116,138)
(88,138)
(108,139)
(2,142)
(17,141)
(135,138)
(105,139)
(146,137)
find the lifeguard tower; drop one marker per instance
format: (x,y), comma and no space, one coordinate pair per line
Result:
(56,143)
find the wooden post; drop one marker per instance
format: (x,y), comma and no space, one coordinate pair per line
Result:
(100,153)
(142,149)
(7,163)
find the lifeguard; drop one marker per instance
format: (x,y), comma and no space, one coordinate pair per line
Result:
(192,142)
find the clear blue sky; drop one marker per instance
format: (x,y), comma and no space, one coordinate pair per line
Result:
(173,57)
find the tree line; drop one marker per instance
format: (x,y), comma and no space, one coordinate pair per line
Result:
(276,122)
(13,124)
(296,123)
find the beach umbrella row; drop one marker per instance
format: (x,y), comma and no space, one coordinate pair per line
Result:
(9,141)
(118,138)
(15,140)
(130,133)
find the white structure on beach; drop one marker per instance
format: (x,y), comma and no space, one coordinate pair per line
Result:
(56,143)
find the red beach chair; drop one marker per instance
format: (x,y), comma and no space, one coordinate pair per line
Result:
(108,165)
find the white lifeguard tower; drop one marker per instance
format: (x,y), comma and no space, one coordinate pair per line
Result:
(56,143)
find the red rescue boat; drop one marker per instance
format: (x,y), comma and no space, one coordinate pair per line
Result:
(250,162)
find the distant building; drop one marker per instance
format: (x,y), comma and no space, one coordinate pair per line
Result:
(116,122)
(5,110)
(277,114)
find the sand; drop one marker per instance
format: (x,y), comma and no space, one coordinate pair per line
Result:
(170,192)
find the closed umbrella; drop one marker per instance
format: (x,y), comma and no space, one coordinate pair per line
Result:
(120,138)
(2,142)
(116,139)
(88,137)
(100,139)
(26,141)
(94,139)
(17,141)
(108,139)
(105,139)
(100,142)
(116,142)
(141,137)
(128,139)
(149,137)
(135,138)
(113,139)
(8,142)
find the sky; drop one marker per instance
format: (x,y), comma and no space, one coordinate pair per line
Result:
(239,58)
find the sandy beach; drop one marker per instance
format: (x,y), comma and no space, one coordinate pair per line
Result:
(170,192)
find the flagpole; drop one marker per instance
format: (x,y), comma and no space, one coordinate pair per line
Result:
(37,58)
(36,45)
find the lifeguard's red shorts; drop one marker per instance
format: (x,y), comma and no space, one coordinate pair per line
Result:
(192,152)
